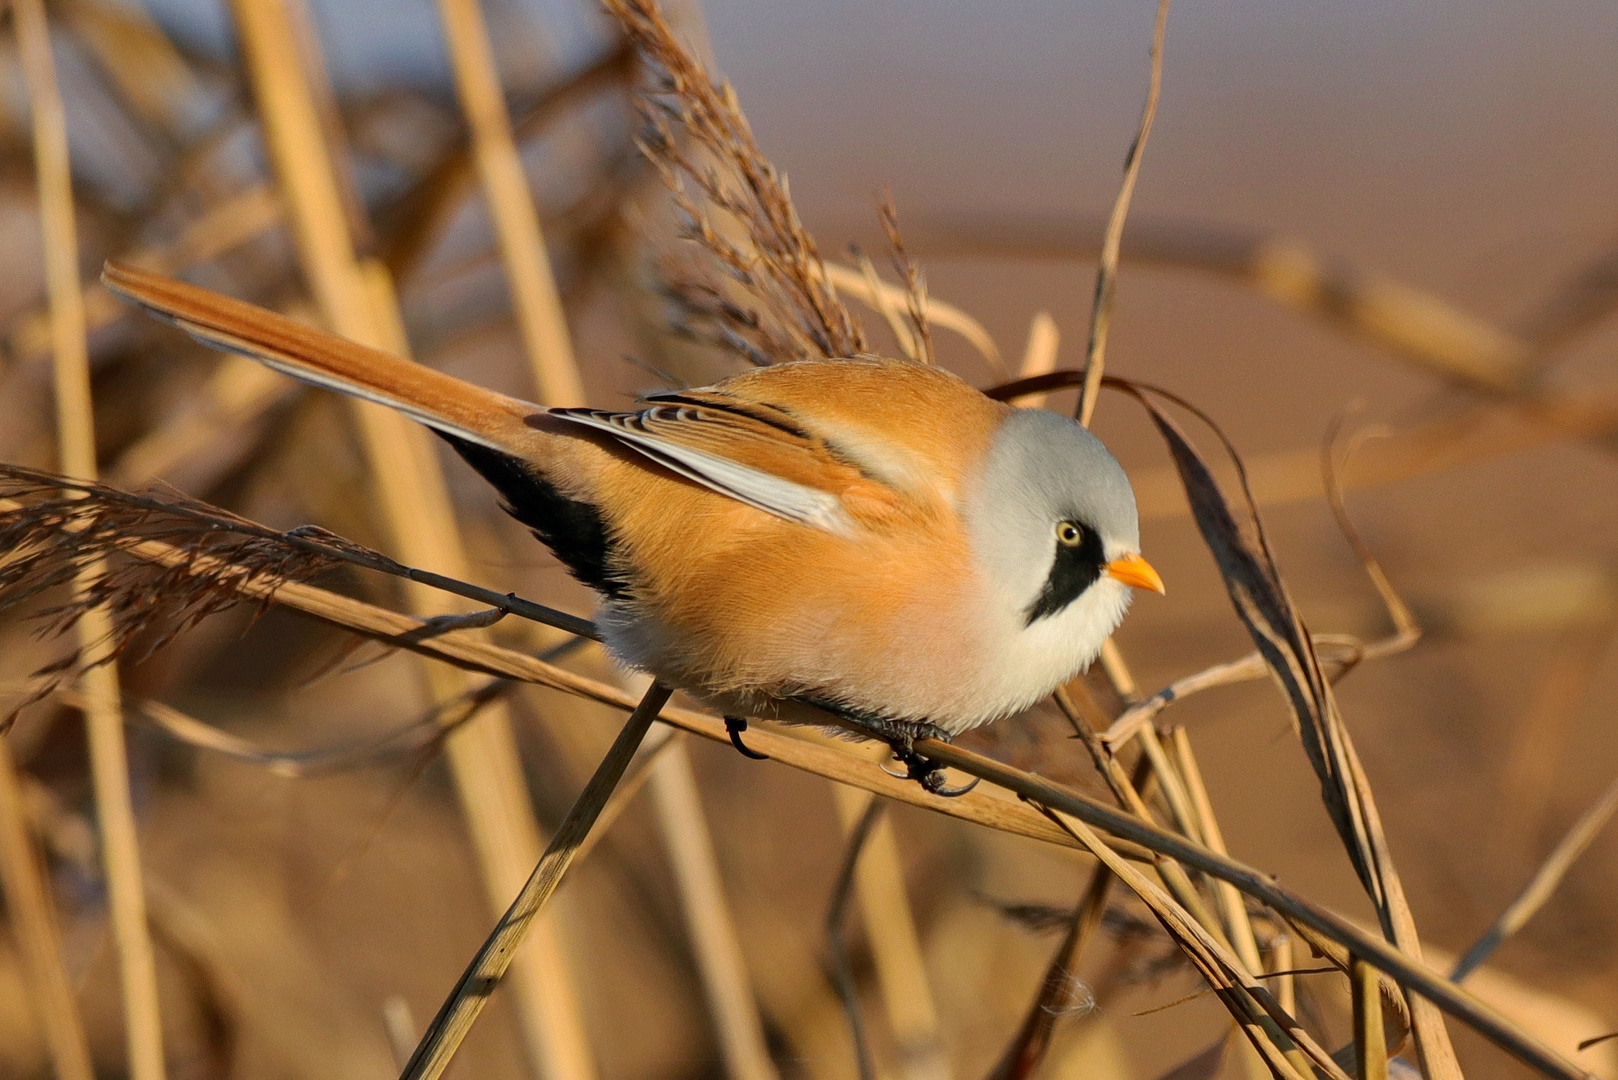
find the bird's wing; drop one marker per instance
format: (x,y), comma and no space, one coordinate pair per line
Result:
(750,451)
(440,401)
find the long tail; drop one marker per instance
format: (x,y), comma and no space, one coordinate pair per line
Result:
(468,413)
(546,479)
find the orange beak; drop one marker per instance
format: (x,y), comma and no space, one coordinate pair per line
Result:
(1136,571)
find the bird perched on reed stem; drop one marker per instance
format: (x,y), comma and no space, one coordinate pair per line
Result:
(865,537)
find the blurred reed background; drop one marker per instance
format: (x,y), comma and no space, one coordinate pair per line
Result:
(1406,205)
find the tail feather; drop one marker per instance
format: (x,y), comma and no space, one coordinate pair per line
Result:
(467,412)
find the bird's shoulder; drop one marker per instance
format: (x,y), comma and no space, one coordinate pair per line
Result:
(914,427)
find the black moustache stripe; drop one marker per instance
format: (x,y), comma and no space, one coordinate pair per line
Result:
(1075,570)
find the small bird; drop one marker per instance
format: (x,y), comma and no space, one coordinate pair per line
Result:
(868,536)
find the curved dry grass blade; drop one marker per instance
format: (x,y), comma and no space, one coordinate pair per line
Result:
(1095,350)
(882,297)
(1256,590)
(75,420)
(460,1010)
(1543,883)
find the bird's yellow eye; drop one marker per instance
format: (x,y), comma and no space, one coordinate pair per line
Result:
(1068,534)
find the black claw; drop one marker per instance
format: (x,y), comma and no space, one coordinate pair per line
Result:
(735,725)
(934,782)
(926,772)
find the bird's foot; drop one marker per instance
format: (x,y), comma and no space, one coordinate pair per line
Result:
(901,735)
(734,726)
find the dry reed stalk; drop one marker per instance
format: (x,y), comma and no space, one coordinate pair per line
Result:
(883,298)
(148,70)
(708,920)
(1095,351)
(890,932)
(1039,356)
(75,418)
(1414,325)
(33,921)
(535,301)
(430,207)
(1370,1044)
(460,1010)
(1284,1045)
(357,303)
(1543,883)
(1325,926)
(1238,927)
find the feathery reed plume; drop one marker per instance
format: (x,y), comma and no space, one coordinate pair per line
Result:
(54,540)
(756,286)
(914,283)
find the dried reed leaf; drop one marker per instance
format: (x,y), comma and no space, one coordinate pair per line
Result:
(1260,597)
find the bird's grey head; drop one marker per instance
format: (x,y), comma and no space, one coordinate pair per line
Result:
(1050,509)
